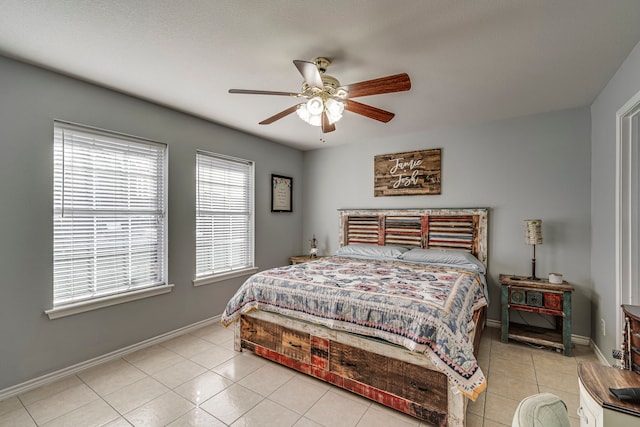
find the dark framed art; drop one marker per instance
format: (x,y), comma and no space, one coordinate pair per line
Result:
(281,193)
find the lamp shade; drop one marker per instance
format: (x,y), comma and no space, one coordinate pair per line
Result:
(533,231)
(315,105)
(334,110)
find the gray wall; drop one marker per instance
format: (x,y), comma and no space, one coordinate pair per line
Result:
(558,166)
(622,87)
(535,166)
(30,99)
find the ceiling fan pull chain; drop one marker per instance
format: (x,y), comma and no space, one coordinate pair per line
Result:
(322,136)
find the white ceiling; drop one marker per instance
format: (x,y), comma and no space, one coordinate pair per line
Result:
(469,61)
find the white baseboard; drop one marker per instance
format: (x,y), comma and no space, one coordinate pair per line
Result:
(600,355)
(74,369)
(494,323)
(581,340)
(576,339)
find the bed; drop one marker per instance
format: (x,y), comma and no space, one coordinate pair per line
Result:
(396,315)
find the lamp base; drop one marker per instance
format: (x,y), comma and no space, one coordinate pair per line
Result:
(533,269)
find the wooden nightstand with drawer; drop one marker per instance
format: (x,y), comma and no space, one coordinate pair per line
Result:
(537,296)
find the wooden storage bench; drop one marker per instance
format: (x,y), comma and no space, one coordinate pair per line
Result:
(385,373)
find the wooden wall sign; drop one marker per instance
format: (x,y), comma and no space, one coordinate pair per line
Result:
(407,174)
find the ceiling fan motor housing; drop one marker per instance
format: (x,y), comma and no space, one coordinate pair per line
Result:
(322,63)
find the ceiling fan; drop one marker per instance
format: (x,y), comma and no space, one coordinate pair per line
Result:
(325,99)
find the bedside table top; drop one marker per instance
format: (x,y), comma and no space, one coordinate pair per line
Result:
(515,280)
(303,258)
(597,379)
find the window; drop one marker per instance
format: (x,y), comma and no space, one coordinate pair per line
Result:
(224,218)
(109,226)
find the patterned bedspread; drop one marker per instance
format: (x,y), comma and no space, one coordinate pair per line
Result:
(424,308)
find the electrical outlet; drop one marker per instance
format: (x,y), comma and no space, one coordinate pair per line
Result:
(603,327)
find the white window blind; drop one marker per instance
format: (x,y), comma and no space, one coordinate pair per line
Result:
(109,214)
(224,215)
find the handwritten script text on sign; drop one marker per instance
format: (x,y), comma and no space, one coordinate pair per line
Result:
(399,171)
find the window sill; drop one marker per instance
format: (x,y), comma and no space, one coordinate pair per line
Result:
(81,307)
(220,277)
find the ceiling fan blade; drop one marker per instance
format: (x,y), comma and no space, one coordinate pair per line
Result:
(263,92)
(389,84)
(310,73)
(280,115)
(326,126)
(368,111)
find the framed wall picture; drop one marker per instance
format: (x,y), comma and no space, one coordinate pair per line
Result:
(281,193)
(407,174)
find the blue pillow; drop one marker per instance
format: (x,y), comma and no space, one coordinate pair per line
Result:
(443,256)
(371,251)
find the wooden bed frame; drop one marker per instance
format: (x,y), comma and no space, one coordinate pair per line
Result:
(386,373)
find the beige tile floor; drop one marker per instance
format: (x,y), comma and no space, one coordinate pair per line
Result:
(198,380)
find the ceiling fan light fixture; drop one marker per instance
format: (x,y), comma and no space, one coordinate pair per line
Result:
(304,113)
(315,120)
(315,105)
(311,111)
(334,109)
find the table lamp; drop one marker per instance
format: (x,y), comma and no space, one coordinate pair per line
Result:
(533,236)
(313,251)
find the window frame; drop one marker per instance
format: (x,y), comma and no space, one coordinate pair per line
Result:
(122,291)
(249,267)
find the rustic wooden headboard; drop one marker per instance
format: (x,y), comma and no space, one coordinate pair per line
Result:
(461,229)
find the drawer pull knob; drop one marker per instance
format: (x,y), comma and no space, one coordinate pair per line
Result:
(415,385)
(582,416)
(295,345)
(345,363)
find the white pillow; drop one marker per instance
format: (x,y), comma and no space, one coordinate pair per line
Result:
(371,251)
(443,256)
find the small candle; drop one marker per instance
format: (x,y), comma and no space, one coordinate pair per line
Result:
(555,278)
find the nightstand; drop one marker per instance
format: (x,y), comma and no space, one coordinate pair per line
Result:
(537,296)
(598,407)
(299,259)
